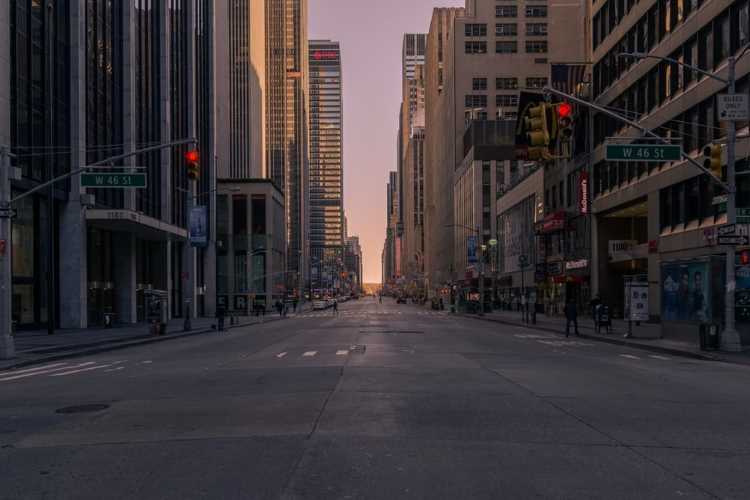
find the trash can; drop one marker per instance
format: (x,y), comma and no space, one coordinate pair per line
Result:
(709,336)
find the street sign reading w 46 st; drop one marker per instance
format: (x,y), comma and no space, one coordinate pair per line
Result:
(643,152)
(113,180)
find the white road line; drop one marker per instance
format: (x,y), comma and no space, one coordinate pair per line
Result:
(309,354)
(342,353)
(45,372)
(27,370)
(663,358)
(148,362)
(629,356)
(115,369)
(281,355)
(72,372)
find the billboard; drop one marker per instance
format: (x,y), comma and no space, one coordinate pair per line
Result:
(471,249)
(685,292)
(198,227)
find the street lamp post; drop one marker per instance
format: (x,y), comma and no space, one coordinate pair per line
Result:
(730,338)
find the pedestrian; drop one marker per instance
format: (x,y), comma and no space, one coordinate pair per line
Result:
(594,306)
(279,306)
(296,302)
(571,316)
(381,298)
(221,313)
(335,307)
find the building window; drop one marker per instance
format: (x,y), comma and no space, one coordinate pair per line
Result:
(475,101)
(536,46)
(536,82)
(475,30)
(506,83)
(536,11)
(506,29)
(536,29)
(479,84)
(506,11)
(506,100)
(506,47)
(476,47)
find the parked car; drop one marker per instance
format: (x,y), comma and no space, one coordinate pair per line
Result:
(320,305)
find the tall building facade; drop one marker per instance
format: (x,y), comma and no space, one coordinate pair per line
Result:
(391,248)
(94,80)
(287,122)
(327,232)
(240,63)
(657,222)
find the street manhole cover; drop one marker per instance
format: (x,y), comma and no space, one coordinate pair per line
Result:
(82,408)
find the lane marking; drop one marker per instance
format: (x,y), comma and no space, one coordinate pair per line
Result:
(663,358)
(342,353)
(115,369)
(629,356)
(72,372)
(148,362)
(309,354)
(281,355)
(44,372)
(28,370)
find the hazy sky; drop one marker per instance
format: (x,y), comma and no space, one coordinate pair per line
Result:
(370,32)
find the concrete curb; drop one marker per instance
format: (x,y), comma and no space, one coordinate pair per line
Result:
(612,340)
(114,345)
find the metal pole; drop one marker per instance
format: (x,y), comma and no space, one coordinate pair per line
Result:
(730,338)
(523,297)
(188,284)
(7,348)
(481,284)
(51,287)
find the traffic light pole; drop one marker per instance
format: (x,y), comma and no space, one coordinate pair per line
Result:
(7,348)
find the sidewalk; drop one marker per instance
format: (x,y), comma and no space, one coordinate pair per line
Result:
(34,347)
(645,336)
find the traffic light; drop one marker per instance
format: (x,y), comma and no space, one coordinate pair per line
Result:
(192,158)
(713,159)
(536,126)
(564,113)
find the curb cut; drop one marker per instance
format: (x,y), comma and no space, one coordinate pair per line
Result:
(100,347)
(615,341)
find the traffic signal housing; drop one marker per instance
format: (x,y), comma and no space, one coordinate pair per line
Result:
(192,158)
(713,159)
(564,113)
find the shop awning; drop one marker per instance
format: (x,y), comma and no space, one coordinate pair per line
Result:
(129,221)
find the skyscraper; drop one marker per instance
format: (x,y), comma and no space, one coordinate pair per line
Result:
(326,171)
(286,122)
(240,88)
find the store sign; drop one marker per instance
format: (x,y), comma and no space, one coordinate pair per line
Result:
(576,264)
(583,193)
(553,222)
(329,55)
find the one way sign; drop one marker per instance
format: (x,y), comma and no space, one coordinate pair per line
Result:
(735,240)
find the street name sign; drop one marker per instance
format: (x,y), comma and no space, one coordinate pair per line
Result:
(732,107)
(727,230)
(113,180)
(643,152)
(733,240)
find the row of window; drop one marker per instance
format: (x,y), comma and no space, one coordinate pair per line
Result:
(512,11)
(507,29)
(507,47)
(508,83)
(480,100)
(724,34)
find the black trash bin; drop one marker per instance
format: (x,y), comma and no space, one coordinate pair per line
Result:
(709,336)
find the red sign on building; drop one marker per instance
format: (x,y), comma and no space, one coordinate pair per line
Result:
(583,193)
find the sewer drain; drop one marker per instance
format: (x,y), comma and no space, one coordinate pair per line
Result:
(82,408)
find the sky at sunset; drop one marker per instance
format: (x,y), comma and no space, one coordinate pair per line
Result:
(370,32)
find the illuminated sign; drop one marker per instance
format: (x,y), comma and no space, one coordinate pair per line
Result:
(583,193)
(325,54)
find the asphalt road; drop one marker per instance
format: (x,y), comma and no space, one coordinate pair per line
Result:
(382,402)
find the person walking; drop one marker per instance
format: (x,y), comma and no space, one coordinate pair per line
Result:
(594,306)
(571,316)
(335,307)
(221,313)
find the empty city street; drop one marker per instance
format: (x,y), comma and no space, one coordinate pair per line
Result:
(381,401)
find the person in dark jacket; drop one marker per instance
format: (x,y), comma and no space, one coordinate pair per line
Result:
(571,316)
(221,313)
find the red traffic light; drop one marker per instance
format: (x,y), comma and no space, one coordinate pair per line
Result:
(192,156)
(564,110)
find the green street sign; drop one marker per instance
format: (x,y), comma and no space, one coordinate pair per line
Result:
(643,152)
(113,180)
(743,215)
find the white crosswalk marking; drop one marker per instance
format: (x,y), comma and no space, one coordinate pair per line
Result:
(342,353)
(310,354)
(45,372)
(72,372)
(116,369)
(629,356)
(662,358)
(281,355)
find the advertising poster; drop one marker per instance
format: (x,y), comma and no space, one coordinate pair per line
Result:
(471,248)
(685,292)
(636,301)
(198,227)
